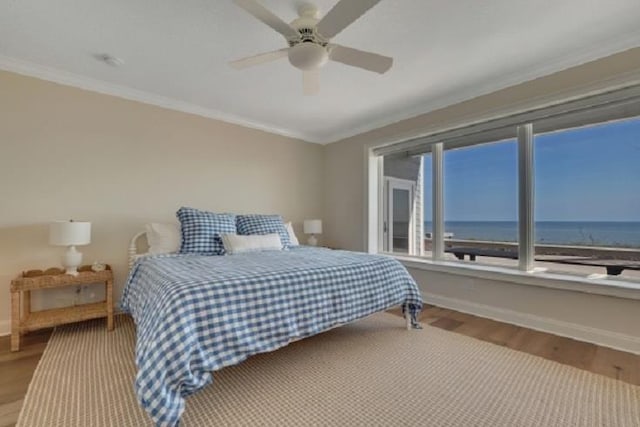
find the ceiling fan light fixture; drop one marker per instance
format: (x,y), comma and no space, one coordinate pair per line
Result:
(308,56)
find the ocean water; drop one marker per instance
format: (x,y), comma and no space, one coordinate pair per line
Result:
(618,234)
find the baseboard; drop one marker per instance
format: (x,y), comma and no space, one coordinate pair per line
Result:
(618,341)
(5,328)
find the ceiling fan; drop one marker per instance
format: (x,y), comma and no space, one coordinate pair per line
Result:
(309,40)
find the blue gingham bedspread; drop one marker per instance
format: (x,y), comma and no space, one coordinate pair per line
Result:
(197,314)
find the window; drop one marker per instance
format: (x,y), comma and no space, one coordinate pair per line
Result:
(587,198)
(561,196)
(481,203)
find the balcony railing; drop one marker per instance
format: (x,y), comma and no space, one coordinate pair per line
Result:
(577,259)
(546,249)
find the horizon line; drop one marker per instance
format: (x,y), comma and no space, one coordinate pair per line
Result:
(539,220)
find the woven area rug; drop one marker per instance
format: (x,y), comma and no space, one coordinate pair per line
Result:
(370,373)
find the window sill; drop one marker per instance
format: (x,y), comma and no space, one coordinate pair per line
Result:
(609,287)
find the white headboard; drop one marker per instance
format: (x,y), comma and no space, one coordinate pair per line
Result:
(133,247)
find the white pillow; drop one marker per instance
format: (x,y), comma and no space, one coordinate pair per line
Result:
(163,238)
(237,244)
(292,235)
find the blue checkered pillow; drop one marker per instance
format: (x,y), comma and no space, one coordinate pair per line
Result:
(201,231)
(263,224)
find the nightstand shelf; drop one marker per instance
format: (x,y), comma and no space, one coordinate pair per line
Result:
(32,320)
(58,316)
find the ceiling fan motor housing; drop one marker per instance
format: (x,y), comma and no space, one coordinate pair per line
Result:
(308,52)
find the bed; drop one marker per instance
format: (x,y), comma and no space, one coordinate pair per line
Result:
(198,314)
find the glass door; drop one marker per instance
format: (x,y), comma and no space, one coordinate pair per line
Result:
(398,216)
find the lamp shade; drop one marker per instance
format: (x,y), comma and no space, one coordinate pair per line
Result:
(69,233)
(312,226)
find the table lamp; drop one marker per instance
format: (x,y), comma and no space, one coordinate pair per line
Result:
(312,227)
(70,233)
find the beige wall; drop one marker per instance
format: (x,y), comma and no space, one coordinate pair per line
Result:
(69,153)
(345,198)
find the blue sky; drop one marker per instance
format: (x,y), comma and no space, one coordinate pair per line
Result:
(586,174)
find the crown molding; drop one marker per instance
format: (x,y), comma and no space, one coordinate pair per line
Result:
(67,78)
(592,53)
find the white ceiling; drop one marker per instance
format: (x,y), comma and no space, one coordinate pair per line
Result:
(176,54)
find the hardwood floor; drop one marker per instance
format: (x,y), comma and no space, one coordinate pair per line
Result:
(600,360)
(16,369)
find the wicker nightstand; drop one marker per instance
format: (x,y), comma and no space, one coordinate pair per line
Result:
(53,278)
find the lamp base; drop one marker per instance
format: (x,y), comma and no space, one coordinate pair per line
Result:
(312,241)
(71,260)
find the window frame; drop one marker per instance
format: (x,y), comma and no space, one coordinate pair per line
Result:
(606,106)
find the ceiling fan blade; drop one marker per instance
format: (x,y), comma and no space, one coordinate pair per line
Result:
(360,58)
(266,16)
(343,14)
(261,58)
(311,82)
